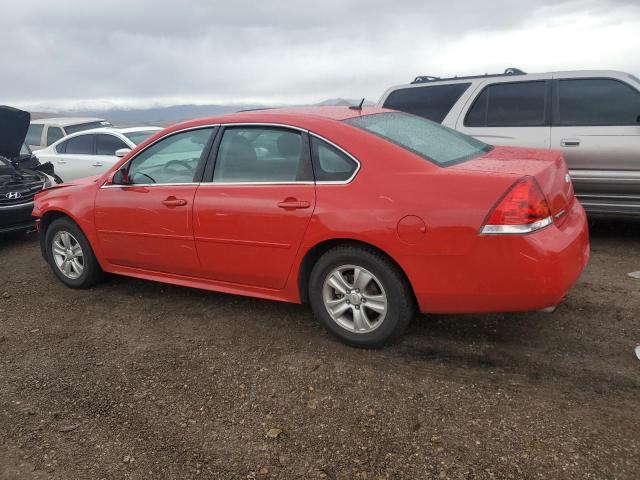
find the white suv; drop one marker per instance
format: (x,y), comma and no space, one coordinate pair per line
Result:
(593,117)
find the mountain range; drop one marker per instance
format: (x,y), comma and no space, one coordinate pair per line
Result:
(174,113)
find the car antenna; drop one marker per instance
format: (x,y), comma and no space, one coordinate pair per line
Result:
(357,107)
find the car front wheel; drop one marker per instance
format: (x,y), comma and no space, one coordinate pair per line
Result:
(360,296)
(70,256)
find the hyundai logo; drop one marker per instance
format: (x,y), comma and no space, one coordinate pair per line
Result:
(13,195)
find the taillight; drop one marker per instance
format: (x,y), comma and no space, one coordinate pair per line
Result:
(523,209)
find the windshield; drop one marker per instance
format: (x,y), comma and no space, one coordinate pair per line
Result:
(85,126)
(24,150)
(430,140)
(139,136)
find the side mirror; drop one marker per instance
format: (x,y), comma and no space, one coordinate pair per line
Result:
(121,177)
(121,152)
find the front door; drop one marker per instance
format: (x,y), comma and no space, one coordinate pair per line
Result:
(252,213)
(147,223)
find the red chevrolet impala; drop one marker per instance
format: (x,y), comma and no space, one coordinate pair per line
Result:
(367,214)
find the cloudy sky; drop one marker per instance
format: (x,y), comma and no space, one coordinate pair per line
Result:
(84,53)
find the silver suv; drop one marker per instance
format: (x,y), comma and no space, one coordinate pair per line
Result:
(592,117)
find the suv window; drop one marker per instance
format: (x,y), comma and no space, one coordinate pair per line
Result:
(430,140)
(262,154)
(80,145)
(86,126)
(173,159)
(521,104)
(598,101)
(331,164)
(108,144)
(53,135)
(432,102)
(34,134)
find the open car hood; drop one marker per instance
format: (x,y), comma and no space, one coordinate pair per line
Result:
(14,124)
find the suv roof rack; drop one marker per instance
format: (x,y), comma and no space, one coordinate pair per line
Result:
(508,71)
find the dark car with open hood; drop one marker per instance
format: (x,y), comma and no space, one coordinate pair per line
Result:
(21,175)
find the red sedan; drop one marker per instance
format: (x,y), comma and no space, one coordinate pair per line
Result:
(368,215)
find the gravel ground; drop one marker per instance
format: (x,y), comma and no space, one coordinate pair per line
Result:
(140,380)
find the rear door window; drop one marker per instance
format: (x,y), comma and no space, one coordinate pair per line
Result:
(433,102)
(80,145)
(597,101)
(262,155)
(521,104)
(34,134)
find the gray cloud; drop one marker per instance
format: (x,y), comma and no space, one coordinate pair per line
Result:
(274,51)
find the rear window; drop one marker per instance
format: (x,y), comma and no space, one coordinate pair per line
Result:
(86,126)
(430,140)
(432,102)
(141,136)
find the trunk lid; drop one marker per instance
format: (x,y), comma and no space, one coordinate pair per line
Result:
(546,166)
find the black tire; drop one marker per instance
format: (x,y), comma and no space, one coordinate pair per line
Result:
(401,307)
(92,273)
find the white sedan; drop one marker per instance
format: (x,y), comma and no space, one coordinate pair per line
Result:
(92,152)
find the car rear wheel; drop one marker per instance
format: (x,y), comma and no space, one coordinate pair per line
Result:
(360,296)
(70,255)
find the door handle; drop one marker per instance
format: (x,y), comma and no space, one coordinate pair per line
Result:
(292,204)
(174,202)
(97,164)
(570,142)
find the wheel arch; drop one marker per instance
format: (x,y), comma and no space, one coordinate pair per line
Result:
(314,253)
(47,218)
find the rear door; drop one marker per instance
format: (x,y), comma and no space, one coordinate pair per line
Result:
(75,157)
(253,208)
(596,126)
(510,113)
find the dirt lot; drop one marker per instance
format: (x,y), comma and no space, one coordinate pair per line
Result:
(140,380)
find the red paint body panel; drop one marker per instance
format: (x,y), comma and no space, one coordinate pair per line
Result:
(235,238)
(243,236)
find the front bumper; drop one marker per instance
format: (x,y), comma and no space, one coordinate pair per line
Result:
(16,217)
(507,273)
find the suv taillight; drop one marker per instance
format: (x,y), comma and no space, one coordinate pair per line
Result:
(523,209)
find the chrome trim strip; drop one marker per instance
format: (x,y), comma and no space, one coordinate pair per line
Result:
(516,229)
(227,184)
(595,204)
(19,205)
(138,185)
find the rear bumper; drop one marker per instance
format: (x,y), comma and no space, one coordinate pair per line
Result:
(507,273)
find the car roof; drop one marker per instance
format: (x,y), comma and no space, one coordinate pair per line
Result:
(303,117)
(66,121)
(519,77)
(117,130)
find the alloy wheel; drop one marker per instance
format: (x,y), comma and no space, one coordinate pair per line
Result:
(68,255)
(355,298)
